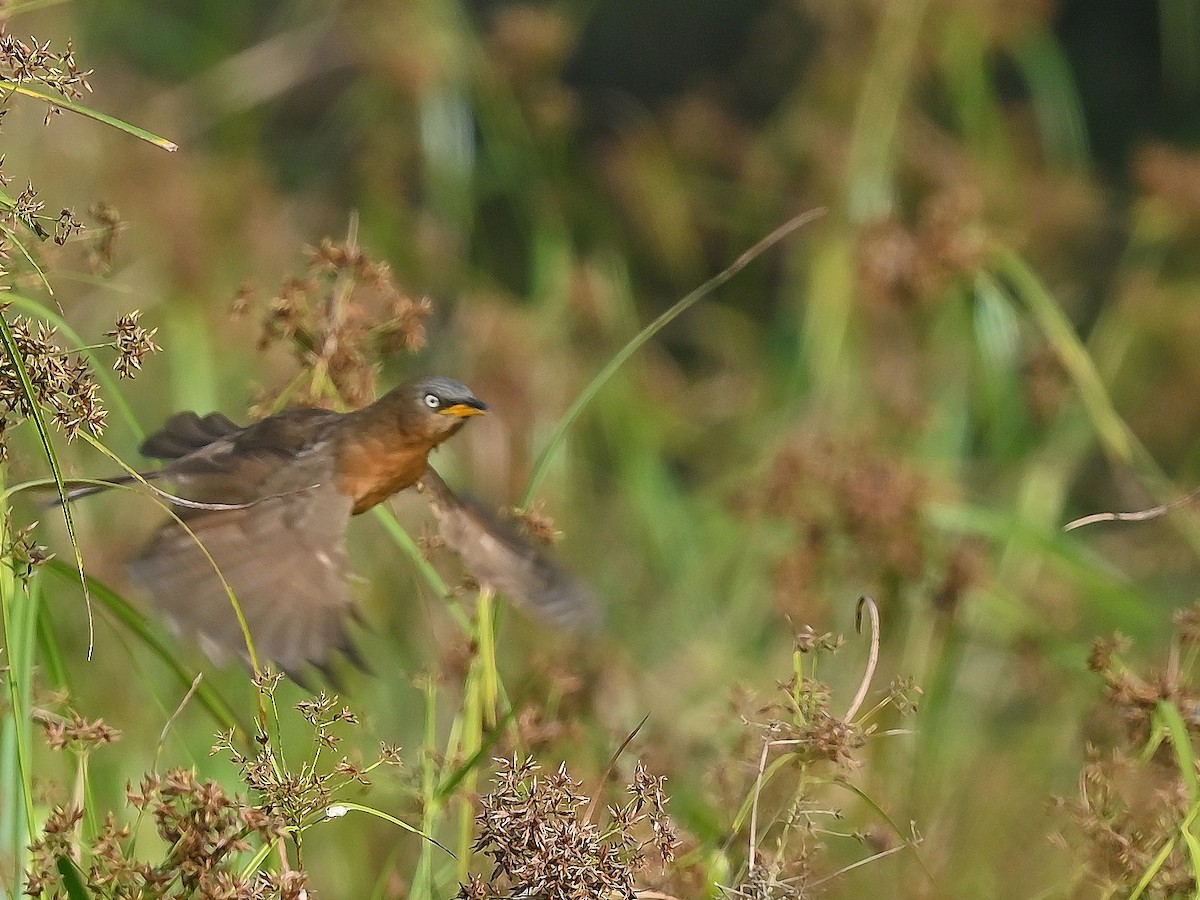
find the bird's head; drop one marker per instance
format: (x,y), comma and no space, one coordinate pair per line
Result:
(439,405)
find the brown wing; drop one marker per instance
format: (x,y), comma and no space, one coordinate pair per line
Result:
(284,556)
(496,554)
(245,464)
(186,432)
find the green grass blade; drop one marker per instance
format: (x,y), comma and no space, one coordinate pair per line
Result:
(17,242)
(412,550)
(72,879)
(896,829)
(769,773)
(1060,334)
(489,740)
(216,705)
(1115,436)
(1153,869)
(51,656)
(619,359)
(61,102)
(1185,758)
(339,809)
(18,621)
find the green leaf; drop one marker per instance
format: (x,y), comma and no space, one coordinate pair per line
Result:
(62,103)
(339,809)
(72,879)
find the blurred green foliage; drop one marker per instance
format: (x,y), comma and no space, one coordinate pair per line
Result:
(991,332)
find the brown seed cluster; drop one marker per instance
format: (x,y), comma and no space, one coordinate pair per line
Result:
(1132,806)
(133,343)
(36,63)
(22,553)
(816,731)
(838,497)
(534,829)
(909,265)
(27,210)
(53,378)
(296,796)
(206,831)
(822,743)
(77,733)
(203,827)
(536,522)
(1171,177)
(339,318)
(59,381)
(1126,812)
(22,62)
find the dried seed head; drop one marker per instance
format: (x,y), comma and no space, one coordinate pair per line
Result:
(132,343)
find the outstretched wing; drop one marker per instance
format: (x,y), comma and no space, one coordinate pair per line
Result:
(496,554)
(282,554)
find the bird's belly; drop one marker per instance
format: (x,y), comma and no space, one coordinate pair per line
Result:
(371,474)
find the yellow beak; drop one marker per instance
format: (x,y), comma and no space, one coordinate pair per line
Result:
(462,410)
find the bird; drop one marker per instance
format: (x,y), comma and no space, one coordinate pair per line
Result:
(267,506)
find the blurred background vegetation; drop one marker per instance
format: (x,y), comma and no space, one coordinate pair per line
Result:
(992,331)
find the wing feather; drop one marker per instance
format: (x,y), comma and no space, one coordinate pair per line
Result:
(284,558)
(496,554)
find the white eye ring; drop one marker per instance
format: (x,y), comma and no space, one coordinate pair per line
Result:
(432,401)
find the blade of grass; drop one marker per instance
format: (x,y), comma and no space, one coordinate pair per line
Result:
(406,543)
(51,654)
(490,739)
(879,811)
(590,810)
(216,705)
(541,467)
(339,809)
(489,678)
(25,6)
(16,242)
(1181,741)
(62,103)
(1153,869)
(1059,332)
(72,879)
(422,881)
(466,738)
(1115,436)
(16,777)
(871,158)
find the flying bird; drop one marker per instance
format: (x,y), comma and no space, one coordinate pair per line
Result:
(267,506)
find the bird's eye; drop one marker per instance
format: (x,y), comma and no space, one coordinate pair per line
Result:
(432,401)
